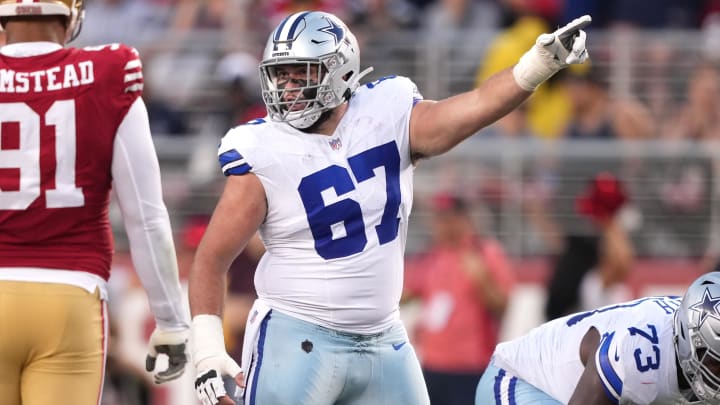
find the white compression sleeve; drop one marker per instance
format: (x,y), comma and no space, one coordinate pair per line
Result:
(136,177)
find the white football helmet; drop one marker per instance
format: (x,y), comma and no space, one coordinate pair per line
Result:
(697,337)
(73,9)
(317,39)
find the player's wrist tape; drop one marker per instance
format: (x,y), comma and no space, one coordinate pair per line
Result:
(207,338)
(532,69)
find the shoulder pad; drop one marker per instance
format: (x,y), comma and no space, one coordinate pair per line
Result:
(122,60)
(237,144)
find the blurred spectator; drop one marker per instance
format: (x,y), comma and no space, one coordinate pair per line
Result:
(699,118)
(443,15)
(650,78)
(217,25)
(195,14)
(711,31)
(463,280)
(655,14)
(237,73)
(276,10)
(453,22)
(592,269)
(606,282)
(596,116)
(540,184)
(596,8)
(680,193)
(404,13)
(549,106)
(536,187)
(180,87)
(652,14)
(165,118)
(548,10)
(129,21)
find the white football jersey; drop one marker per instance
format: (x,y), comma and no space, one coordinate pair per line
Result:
(635,359)
(338,209)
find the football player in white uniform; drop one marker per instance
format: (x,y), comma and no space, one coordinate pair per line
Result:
(326,177)
(654,350)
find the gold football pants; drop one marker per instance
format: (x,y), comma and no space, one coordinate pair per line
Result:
(52,344)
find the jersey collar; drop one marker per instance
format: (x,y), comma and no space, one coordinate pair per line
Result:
(24,49)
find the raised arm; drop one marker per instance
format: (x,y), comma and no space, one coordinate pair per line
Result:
(437,126)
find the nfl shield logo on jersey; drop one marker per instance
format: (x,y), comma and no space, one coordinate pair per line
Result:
(335,143)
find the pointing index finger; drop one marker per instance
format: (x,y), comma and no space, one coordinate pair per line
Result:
(567,33)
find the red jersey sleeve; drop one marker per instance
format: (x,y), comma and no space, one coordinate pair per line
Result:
(120,68)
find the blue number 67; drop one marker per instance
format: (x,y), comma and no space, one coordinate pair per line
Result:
(322,217)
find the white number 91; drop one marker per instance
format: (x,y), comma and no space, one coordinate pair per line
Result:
(26,157)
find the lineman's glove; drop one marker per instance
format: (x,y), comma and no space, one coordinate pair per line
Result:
(551,53)
(172,344)
(211,359)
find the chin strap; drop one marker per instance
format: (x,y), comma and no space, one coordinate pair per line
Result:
(355,83)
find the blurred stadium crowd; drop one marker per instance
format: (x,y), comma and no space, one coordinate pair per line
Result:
(646,111)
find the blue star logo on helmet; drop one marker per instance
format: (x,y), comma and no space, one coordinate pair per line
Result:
(707,307)
(333,29)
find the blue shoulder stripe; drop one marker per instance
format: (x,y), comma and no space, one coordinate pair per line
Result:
(233,163)
(239,170)
(611,382)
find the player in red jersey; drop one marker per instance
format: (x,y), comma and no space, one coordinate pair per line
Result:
(72,126)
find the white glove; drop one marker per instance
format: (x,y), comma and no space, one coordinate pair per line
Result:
(551,53)
(210,358)
(172,344)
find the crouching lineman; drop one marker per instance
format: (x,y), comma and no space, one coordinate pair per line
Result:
(650,351)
